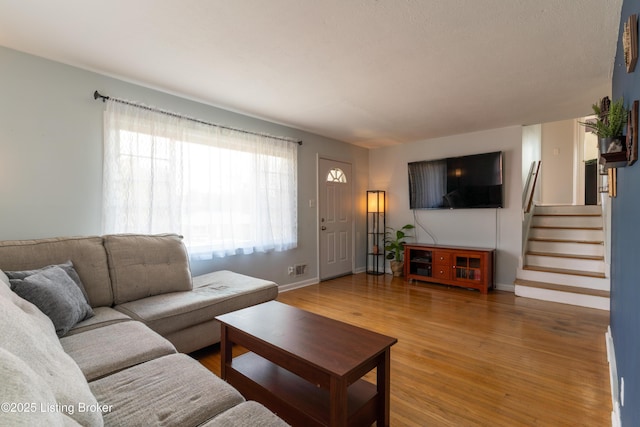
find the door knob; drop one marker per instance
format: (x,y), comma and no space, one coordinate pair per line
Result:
(323,228)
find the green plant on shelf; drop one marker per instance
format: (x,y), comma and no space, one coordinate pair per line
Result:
(611,118)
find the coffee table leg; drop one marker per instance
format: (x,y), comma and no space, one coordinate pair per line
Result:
(338,413)
(383,383)
(225,352)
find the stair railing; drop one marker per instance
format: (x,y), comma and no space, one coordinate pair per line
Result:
(528,205)
(530,186)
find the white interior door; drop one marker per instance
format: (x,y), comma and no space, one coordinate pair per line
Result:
(335,218)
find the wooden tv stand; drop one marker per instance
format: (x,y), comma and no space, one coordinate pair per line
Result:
(450,265)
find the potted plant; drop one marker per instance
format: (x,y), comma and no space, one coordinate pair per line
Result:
(608,124)
(394,241)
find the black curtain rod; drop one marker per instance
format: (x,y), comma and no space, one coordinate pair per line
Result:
(104,98)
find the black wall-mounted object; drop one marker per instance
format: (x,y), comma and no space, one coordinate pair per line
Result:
(465,182)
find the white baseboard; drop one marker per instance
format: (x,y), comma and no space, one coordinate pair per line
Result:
(296,285)
(613,380)
(505,287)
(313,281)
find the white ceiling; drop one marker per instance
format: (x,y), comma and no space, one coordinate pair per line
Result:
(368,72)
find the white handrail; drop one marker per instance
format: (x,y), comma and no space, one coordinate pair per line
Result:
(527,204)
(525,191)
(530,187)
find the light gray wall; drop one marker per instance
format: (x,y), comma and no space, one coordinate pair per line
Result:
(489,228)
(531,152)
(51,160)
(557,175)
(531,148)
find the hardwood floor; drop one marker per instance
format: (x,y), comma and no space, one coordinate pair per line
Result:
(466,359)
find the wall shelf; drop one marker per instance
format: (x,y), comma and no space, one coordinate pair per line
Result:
(614,160)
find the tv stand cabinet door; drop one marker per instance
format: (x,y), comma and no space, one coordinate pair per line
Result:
(472,269)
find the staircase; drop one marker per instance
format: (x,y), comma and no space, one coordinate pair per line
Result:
(564,260)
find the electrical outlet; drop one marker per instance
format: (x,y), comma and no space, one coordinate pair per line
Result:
(290,270)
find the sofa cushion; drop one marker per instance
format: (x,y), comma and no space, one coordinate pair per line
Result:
(87,254)
(144,265)
(173,390)
(213,294)
(30,336)
(103,351)
(195,337)
(56,295)
(31,400)
(246,414)
(102,316)
(4,278)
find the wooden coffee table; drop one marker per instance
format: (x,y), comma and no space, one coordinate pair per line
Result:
(307,368)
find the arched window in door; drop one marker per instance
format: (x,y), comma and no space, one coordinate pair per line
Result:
(337,175)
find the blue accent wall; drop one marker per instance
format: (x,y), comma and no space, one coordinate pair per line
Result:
(625,248)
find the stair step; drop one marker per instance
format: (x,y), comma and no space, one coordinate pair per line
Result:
(566,220)
(559,247)
(566,227)
(565,271)
(582,281)
(570,209)
(561,261)
(555,240)
(566,214)
(566,233)
(572,298)
(562,288)
(571,256)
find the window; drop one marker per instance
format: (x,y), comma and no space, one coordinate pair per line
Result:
(337,175)
(225,191)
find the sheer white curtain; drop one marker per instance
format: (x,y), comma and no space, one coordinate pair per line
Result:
(225,191)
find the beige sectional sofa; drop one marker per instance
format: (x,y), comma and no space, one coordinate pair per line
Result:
(115,360)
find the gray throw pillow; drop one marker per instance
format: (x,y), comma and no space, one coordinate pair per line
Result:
(67,267)
(56,295)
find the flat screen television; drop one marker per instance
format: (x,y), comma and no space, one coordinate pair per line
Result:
(464,182)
